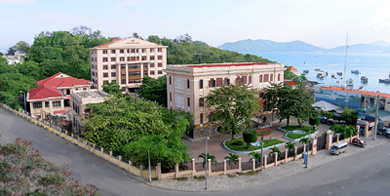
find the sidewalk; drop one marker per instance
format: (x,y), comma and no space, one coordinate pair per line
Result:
(224,182)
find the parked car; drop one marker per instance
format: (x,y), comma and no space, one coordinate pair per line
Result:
(359,142)
(339,148)
(387,132)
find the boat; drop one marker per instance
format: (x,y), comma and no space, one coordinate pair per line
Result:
(340,73)
(361,87)
(326,73)
(317,69)
(349,82)
(333,76)
(363,79)
(355,71)
(305,71)
(384,80)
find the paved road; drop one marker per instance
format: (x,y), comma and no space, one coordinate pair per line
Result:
(364,173)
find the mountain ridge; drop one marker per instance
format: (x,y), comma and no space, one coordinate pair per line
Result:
(260,45)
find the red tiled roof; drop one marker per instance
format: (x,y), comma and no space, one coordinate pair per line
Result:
(291,68)
(290,82)
(43,91)
(62,81)
(225,65)
(106,44)
(60,111)
(370,93)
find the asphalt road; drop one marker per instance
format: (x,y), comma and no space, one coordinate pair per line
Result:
(365,173)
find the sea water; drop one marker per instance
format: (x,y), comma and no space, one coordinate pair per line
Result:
(373,66)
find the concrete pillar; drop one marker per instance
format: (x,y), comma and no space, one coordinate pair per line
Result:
(101,151)
(130,166)
(119,161)
(239,164)
(338,137)
(265,162)
(366,130)
(176,170)
(193,168)
(71,135)
(285,155)
(329,139)
(224,167)
(253,164)
(314,145)
(276,158)
(141,167)
(209,166)
(110,157)
(295,152)
(358,131)
(158,169)
(94,149)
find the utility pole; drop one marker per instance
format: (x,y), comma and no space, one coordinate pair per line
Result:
(150,172)
(207,161)
(376,117)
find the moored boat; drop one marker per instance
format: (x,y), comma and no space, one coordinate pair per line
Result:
(340,73)
(355,71)
(349,82)
(305,71)
(363,79)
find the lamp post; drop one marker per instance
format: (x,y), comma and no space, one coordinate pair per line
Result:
(24,100)
(207,159)
(150,172)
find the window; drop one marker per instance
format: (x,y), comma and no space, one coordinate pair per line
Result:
(132,50)
(212,83)
(123,66)
(143,50)
(250,80)
(112,51)
(87,110)
(179,101)
(146,73)
(188,102)
(271,77)
(152,65)
(56,103)
(121,51)
(113,74)
(278,77)
(261,78)
(133,58)
(105,59)
(170,96)
(226,81)
(128,58)
(170,80)
(113,59)
(151,72)
(68,91)
(201,102)
(143,58)
(159,64)
(159,71)
(105,75)
(159,57)
(152,58)
(84,89)
(105,67)
(37,105)
(123,81)
(200,84)
(188,84)
(159,50)
(152,50)
(135,73)
(104,51)
(219,82)
(113,66)
(201,118)
(122,59)
(265,77)
(47,104)
(133,66)
(179,83)
(67,103)
(241,79)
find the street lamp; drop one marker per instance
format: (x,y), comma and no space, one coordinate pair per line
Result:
(207,159)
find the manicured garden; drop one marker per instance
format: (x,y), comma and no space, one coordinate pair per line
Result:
(306,131)
(240,145)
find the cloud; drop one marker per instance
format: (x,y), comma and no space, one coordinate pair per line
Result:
(16,2)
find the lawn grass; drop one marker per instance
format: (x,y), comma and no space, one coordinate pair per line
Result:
(295,135)
(243,147)
(306,129)
(264,133)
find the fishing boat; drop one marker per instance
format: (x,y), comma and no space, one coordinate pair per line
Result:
(384,80)
(363,79)
(349,82)
(355,71)
(340,73)
(317,69)
(333,76)
(305,71)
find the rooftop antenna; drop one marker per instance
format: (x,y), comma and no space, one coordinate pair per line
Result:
(345,62)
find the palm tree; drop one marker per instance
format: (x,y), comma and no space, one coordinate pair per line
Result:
(233,158)
(304,141)
(212,157)
(273,151)
(255,156)
(290,146)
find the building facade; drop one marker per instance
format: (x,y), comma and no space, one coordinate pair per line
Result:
(81,110)
(126,61)
(52,96)
(189,85)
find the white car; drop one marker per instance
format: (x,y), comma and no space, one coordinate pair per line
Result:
(387,132)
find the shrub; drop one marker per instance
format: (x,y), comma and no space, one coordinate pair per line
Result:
(238,143)
(249,136)
(314,121)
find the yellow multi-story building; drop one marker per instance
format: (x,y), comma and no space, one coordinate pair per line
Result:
(189,85)
(126,62)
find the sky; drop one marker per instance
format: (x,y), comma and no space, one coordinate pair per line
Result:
(324,23)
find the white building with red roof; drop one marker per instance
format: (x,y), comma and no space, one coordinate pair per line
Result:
(52,96)
(126,61)
(293,69)
(189,85)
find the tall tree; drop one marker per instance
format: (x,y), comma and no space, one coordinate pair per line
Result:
(154,90)
(112,88)
(232,107)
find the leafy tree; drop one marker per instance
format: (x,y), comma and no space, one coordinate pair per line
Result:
(314,121)
(346,130)
(232,159)
(289,75)
(255,156)
(112,88)
(273,150)
(25,172)
(349,116)
(233,107)
(304,141)
(154,39)
(212,157)
(290,146)
(154,90)
(249,136)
